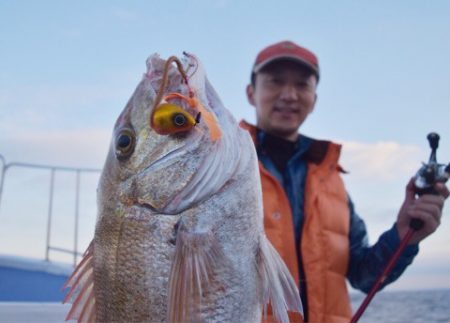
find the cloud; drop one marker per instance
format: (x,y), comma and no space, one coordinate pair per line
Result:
(368,162)
(381,161)
(60,105)
(64,124)
(59,96)
(378,174)
(76,148)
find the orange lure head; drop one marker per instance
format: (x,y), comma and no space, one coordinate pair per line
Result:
(169,118)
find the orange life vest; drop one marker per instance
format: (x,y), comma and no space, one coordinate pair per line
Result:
(324,238)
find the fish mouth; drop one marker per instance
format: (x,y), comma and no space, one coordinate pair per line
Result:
(145,205)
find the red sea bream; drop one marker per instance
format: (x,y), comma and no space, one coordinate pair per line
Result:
(179,233)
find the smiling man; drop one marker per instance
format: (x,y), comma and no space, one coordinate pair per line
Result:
(308,215)
(283,94)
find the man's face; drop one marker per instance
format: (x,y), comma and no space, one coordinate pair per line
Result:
(283,95)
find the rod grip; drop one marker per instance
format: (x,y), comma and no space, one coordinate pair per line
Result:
(416,224)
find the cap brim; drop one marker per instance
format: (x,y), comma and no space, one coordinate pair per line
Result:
(257,68)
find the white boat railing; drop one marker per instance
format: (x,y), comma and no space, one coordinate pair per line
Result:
(5,166)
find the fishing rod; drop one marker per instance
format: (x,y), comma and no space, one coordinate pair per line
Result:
(425,178)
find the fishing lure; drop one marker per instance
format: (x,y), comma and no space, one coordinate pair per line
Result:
(169,118)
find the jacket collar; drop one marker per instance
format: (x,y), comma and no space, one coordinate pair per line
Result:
(316,152)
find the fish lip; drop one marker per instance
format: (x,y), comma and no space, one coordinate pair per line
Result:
(145,205)
(151,208)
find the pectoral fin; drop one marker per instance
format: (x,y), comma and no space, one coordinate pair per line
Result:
(81,292)
(278,285)
(197,254)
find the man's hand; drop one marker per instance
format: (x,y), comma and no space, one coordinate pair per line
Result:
(427,208)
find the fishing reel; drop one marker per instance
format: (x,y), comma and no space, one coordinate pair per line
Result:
(424,180)
(430,174)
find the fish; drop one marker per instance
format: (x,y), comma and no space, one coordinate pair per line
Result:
(179,234)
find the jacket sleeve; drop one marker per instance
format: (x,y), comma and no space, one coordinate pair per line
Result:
(368,262)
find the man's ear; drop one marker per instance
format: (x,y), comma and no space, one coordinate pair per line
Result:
(250,91)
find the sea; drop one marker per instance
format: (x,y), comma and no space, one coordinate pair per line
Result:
(422,306)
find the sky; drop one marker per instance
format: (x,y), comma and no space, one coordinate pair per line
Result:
(67,69)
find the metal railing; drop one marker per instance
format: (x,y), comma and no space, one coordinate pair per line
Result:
(53,169)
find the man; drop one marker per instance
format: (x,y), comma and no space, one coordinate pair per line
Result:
(308,215)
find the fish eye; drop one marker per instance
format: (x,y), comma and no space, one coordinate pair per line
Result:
(125,142)
(179,119)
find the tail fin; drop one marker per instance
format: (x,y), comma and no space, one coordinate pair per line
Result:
(278,285)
